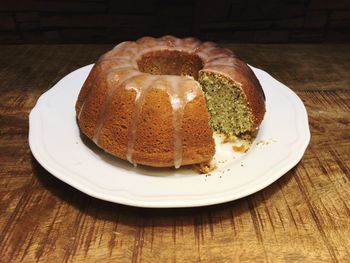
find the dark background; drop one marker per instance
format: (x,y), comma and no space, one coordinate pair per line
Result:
(106,21)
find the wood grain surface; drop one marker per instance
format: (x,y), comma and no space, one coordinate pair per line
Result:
(302,217)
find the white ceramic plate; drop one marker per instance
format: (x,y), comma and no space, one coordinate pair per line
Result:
(55,142)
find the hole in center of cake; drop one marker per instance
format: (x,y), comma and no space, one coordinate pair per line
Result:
(167,62)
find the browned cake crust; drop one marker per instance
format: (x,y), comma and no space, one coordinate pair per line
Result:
(132,106)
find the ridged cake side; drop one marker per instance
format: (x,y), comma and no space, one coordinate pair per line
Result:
(135,107)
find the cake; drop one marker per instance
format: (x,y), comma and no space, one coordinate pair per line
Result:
(157,101)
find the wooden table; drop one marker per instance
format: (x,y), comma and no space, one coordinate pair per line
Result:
(303,217)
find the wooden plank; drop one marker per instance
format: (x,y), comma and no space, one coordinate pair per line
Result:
(303,217)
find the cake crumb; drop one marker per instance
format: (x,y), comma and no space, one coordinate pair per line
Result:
(265,142)
(222,162)
(204,168)
(241,149)
(228,138)
(249,136)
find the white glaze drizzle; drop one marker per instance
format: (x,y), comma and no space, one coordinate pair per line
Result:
(117,80)
(95,80)
(180,94)
(141,92)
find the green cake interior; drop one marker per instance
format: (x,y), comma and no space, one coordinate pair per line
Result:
(229,111)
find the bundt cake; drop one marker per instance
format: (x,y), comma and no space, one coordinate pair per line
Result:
(157,101)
